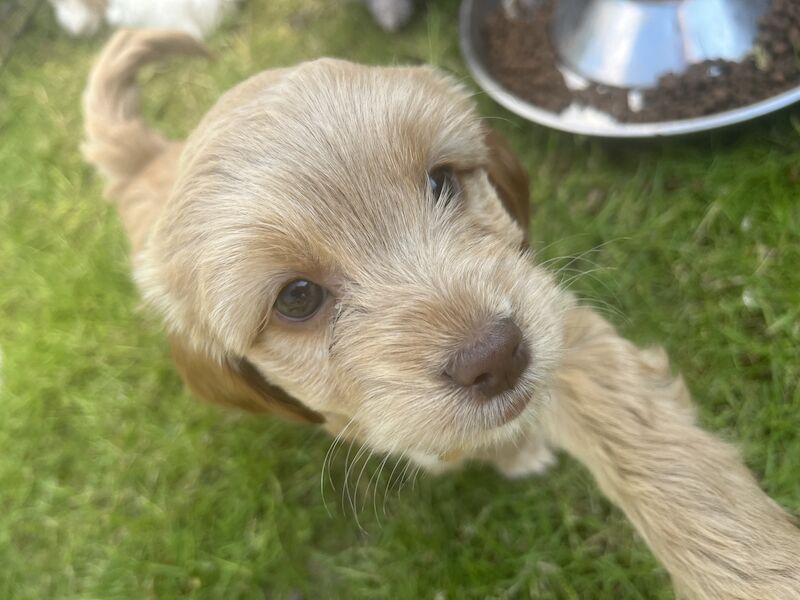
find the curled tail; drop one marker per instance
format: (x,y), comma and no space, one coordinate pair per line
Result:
(118,141)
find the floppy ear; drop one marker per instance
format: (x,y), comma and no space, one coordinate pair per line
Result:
(509,178)
(235,382)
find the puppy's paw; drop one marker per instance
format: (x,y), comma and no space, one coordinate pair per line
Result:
(532,459)
(434,464)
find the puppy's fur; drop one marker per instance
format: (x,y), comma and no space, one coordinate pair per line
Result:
(319,171)
(620,411)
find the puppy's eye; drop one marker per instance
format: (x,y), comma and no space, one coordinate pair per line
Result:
(299,300)
(443,184)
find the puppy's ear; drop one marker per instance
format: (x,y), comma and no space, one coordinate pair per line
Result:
(235,382)
(509,178)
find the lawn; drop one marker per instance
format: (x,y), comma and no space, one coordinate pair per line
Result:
(115,483)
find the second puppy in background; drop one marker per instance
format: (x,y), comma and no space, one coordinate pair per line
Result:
(198,18)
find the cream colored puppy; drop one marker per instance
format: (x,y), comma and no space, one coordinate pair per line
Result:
(331,243)
(337,244)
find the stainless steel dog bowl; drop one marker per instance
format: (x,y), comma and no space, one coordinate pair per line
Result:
(631,43)
(627,49)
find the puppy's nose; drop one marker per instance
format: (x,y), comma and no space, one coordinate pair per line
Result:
(492,362)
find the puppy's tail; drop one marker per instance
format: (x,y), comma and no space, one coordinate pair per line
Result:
(118,142)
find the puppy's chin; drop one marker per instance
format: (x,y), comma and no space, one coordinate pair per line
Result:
(461,426)
(505,418)
(503,409)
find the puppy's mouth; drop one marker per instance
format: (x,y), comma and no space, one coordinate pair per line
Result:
(504,408)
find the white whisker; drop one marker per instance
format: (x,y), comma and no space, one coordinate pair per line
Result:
(326,463)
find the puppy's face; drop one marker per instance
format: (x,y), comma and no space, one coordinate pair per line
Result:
(334,227)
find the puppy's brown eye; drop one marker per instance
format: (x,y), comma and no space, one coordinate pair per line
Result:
(442,182)
(299,300)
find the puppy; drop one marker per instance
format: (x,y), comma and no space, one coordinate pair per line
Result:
(345,245)
(337,244)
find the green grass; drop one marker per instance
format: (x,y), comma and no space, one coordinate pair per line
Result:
(114,483)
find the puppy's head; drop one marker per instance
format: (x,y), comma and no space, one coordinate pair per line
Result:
(340,245)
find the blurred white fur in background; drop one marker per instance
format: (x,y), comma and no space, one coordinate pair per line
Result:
(195,17)
(391,15)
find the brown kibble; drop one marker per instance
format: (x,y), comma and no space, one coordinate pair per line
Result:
(521,56)
(523,60)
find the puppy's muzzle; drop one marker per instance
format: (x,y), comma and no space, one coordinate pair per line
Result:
(490,362)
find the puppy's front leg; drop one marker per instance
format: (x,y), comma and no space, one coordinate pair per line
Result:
(529,456)
(621,413)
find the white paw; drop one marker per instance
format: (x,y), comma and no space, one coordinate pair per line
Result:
(531,460)
(432,463)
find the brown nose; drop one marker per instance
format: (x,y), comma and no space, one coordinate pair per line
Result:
(492,362)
